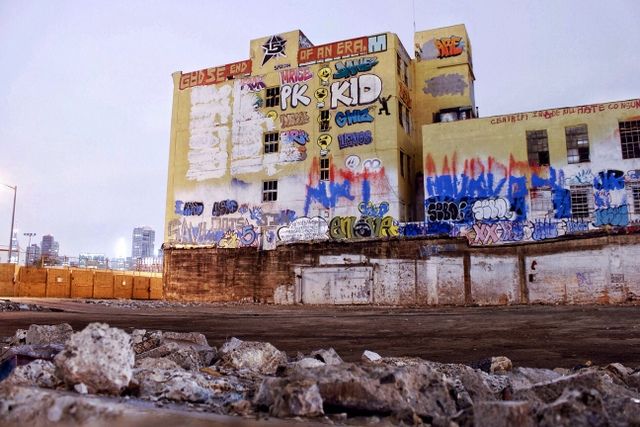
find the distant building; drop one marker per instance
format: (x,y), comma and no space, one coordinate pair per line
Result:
(87,260)
(33,254)
(49,249)
(142,242)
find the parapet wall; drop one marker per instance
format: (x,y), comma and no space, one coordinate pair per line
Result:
(595,269)
(36,282)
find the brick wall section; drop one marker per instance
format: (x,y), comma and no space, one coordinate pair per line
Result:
(445,271)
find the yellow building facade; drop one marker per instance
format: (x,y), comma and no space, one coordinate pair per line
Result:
(534,175)
(354,139)
(302,142)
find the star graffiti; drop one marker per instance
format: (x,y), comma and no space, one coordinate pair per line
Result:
(273,47)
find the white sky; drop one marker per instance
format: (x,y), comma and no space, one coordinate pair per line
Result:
(85,99)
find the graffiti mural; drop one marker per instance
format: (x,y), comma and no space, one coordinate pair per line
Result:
(362,90)
(304,229)
(294,119)
(441,48)
(273,47)
(354,139)
(352,67)
(488,202)
(371,224)
(446,84)
(188,208)
(352,117)
(293,145)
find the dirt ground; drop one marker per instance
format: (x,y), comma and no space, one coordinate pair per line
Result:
(534,336)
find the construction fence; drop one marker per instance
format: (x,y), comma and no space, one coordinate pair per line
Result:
(38,282)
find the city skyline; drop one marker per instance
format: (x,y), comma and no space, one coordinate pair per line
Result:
(86,104)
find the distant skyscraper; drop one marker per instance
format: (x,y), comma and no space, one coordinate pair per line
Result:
(33,254)
(49,248)
(142,242)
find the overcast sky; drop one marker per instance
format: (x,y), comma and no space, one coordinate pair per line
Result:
(85,99)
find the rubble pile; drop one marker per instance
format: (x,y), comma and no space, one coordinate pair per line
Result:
(141,304)
(8,305)
(50,374)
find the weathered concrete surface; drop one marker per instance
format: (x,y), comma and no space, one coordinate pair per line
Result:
(536,336)
(421,271)
(100,357)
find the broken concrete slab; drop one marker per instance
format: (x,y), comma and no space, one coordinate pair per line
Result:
(260,357)
(189,350)
(283,398)
(30,406)
(98,356)
(39,373)
(328,356)
(48,334)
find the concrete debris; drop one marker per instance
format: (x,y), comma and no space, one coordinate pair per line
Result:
(309,363)
(260,357)
(39,373)
(29,406)
(98,356)
(283,398)
(500,365)
(8,305)
(370,356)
(143,304)
(251,378)
(81,388)
(502,414)
(190,350)
(27,353)
(48,334)
(153,363)
(187,386)
(20,337)
(328,356)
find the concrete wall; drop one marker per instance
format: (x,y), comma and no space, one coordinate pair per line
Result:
(421,271)
(38,282)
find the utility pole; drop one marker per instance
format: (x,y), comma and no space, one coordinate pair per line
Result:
(13,217)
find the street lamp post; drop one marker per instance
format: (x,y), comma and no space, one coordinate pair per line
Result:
(13,217)
(29,235)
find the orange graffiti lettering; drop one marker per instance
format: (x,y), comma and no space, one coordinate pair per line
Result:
(451,46)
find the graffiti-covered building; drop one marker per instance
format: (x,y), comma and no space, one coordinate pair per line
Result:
(364,176)
(302,142)
(534,175)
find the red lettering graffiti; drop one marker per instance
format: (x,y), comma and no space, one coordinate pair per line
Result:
(450,46)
